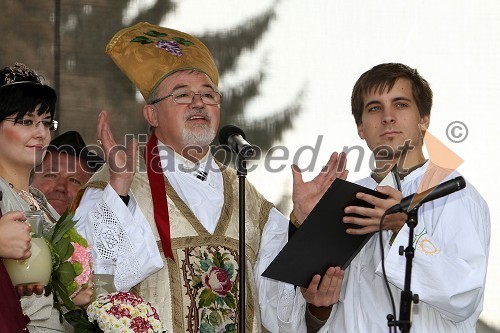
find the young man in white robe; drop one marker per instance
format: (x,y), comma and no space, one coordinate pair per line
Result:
(391,104)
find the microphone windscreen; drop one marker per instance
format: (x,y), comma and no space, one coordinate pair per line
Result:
(228,130)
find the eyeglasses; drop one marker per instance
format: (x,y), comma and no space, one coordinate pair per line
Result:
(208,97)
(51,125)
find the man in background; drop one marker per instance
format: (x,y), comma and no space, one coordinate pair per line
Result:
(66,167)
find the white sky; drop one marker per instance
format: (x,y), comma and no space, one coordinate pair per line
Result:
(326,45)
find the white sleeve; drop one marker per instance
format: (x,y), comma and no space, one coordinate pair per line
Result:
(451,254)
(119,234)
(281,304)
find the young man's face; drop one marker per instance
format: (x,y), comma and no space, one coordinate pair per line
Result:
(390,124)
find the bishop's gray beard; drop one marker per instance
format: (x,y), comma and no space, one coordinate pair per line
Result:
(200,136)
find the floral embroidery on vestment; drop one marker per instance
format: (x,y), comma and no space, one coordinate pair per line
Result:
(211,279)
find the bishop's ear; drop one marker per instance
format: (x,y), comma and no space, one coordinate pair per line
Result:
(151,115)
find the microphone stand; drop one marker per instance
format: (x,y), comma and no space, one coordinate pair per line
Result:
(407,296)
(241,171)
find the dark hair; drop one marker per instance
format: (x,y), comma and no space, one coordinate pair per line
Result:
(72,143)
(21,91)
(382,78)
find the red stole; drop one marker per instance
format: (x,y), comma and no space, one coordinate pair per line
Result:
(159,195)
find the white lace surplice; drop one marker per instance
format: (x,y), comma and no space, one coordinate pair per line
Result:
(121,234)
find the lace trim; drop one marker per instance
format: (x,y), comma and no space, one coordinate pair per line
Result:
(113,243)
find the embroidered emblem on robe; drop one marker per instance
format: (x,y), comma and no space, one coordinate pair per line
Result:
(210,276)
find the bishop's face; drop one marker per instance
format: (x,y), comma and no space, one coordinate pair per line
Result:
(391,121)
(184,125)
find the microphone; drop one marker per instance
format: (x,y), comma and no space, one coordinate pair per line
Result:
(436,192)
(234,138)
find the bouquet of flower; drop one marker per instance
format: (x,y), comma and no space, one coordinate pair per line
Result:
(71,261)
(124,312)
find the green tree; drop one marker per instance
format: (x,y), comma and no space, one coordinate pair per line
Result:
(89,81)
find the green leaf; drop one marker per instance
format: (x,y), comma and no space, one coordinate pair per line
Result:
(47,290)
(215,318)
(182,41)
(78,268)
(71,287)
(66,225)
(56,258)
(196,279)
(218,260)
(154,33)
(75,237)
(80,321)
(207,297)
(229,268)
(62,293)
(234,288)
(206,328)
(64,248)
(142,40)
(65,273)
(230,328)
(205,264)
(230,301)
(54,229)
(63,225)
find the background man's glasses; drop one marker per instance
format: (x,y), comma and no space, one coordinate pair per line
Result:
(208,97)
(51,125)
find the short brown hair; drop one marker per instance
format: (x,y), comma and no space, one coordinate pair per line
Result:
(382,78)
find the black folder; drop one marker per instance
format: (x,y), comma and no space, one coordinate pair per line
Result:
(321,241)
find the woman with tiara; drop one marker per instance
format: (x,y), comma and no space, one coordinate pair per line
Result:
(27,109)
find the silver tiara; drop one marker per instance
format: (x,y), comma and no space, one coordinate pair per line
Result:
(20,73)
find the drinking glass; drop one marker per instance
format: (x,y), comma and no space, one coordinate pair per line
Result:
(104,280)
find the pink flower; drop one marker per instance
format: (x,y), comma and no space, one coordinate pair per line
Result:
(218,280)
(81,255)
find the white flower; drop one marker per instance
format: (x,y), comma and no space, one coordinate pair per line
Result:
(120,304)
